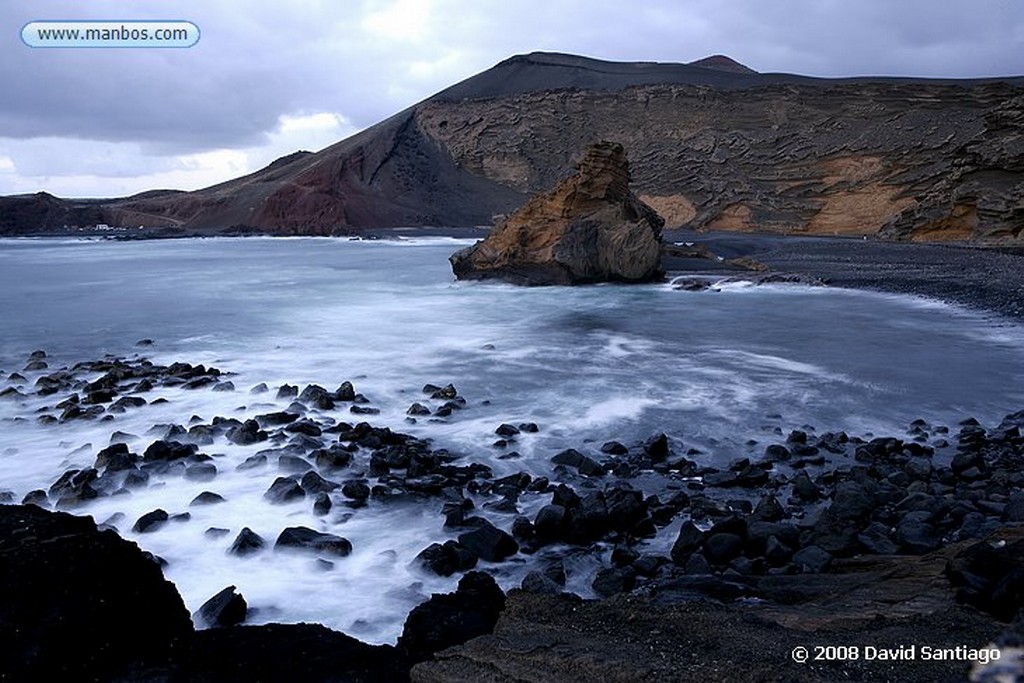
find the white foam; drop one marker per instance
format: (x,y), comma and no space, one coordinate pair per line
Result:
(585,364)
(772,362)
(434,241)
(613,410)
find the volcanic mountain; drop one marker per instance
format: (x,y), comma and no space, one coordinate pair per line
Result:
(712,145)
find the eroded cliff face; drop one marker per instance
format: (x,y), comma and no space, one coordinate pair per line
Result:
(903,160)
(589,228)
(713,145)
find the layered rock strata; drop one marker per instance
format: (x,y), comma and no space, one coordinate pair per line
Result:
(712,148)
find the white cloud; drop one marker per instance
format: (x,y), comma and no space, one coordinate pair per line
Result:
(218,161)
(444,68)
(402,21)
(311,132)
(105,169)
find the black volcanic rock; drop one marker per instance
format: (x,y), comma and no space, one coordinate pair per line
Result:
(80,604)
(489,543)
(246,543)
(446,559)
(84,605)
(453,618)
(286,652)
(304,538)
(990,577)
(150,522)
(168,451)
(284,490)
(207,498)
(226,608)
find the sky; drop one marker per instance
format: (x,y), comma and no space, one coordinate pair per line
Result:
(269,77)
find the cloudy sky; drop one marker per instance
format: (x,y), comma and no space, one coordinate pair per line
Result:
(272,76)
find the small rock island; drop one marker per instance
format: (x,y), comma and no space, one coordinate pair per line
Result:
(589,228)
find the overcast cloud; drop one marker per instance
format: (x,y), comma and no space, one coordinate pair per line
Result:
(272,76)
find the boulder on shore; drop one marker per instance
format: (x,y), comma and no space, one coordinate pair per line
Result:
(589,228)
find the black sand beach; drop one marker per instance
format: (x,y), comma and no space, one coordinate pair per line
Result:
(981,278)
(990,279)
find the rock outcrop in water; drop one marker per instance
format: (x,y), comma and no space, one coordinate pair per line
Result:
(589,228)
(714,146)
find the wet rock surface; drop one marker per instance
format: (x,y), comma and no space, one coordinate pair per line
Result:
(87,605)
(226,608)
(444,620)
(821,529)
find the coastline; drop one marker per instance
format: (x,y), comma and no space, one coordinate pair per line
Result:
(986,278)
(854,546)
(685,611)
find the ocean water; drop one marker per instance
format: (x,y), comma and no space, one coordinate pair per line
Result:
(715,370)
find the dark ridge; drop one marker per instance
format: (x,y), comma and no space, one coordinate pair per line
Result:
(542,71)
(29,213)
(545,71)
(723,63)
(286,160)
(152,194)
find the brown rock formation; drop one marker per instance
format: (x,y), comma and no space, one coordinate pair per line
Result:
(921,160)
(713,145)
(589,228)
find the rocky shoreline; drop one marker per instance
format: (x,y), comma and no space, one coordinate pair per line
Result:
(823,535)
(83,604)
(984,278)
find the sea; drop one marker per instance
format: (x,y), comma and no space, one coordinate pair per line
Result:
(723,372)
